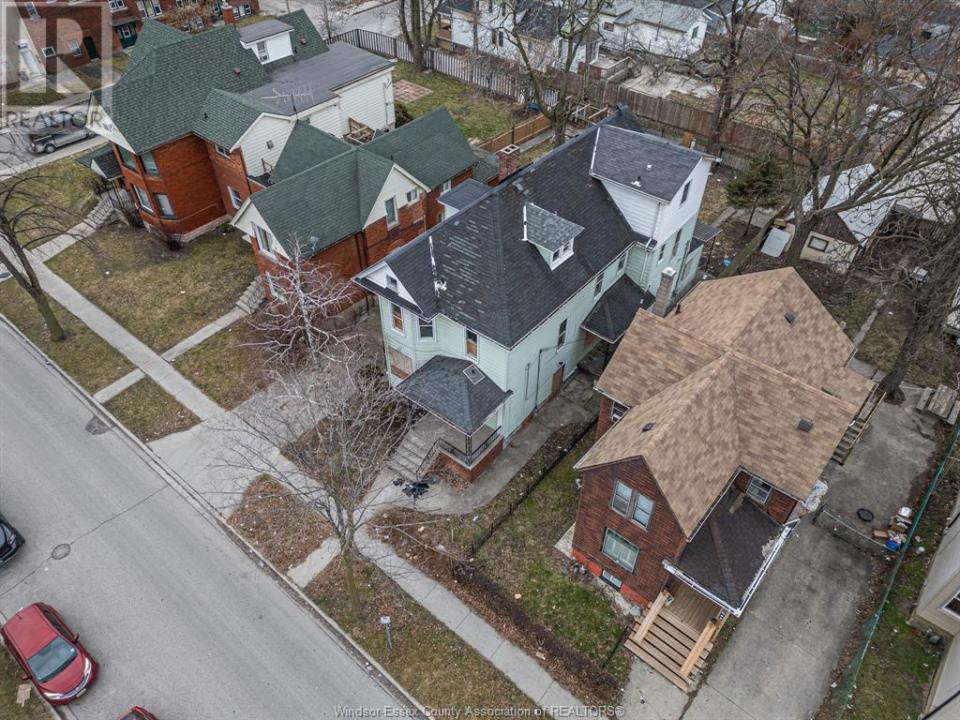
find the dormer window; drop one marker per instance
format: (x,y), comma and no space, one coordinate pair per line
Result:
(392,283)
(551,234)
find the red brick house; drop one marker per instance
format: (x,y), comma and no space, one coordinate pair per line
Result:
(716,423)
(198,122)
(75,33)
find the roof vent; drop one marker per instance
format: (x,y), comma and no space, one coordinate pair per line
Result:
(236,71)
(789,317)
(303,40)
(648,427)
(473,373)
(638,182)
(805,425)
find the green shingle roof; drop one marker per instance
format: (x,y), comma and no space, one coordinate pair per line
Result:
(164,92)
(431,148)
(307,216)
(225,117)
(307,146)
(486,167)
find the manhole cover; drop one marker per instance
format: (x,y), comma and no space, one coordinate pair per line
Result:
(96,426)
(60,551)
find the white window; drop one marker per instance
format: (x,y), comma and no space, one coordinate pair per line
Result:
(621,263)
(686,192)
(620,550)
(617,411)
(223,151)
(631,504)
(143,200)
(472,341)
(497,38)
(396,317)
(390,207)
(127,157)
(424,328)
(242,10)
(610,579)
(447,184)
(758,490)
(235,198)
(562,335)
(598,285)
(695,32)
(264,240)
(276,289)
(262,51)
(49,51)
(622,495)
(392,283)
(676,244)
(818,242)
(558,256)
(412,195)
(33,13)
(115,5)
(150,8)
(126,32)
(75,47)
(953,605)
(663,249)
(163,201)
(642,510)
(149,163)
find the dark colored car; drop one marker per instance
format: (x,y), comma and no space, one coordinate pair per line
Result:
(10,540)
(138,713)
(50,653)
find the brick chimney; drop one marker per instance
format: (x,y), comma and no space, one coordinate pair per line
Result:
(509,160)
(664,292)
(227,10)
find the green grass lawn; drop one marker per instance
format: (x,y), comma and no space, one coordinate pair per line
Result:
(149,411)
(83,355)
(10,674)
(480,116)
(159,295)
(521,557)
(899,666)
(427,658)
(65,184)
(225,367)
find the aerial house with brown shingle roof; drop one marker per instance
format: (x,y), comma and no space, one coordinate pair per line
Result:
(716,423)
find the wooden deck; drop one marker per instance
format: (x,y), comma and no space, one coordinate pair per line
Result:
(676,634)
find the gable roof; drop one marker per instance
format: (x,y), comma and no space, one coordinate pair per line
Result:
(306,147)
(651,164)
(547,229)
(165,91)
(725,383)
(498,285)
(268,27)
(305,219)
(431,148)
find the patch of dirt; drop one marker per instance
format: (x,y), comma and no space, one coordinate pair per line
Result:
(279,523)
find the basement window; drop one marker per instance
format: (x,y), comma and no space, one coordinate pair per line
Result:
(610,579)
(759,491)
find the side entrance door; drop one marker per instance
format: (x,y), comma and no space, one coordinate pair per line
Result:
(557,381)
(91,47)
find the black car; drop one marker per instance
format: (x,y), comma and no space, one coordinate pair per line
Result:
(10,540)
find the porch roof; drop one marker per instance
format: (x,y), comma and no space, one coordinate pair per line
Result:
(102,161)
(614,312)
(730,548)
(454,390)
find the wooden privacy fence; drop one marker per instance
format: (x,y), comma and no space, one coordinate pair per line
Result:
(667,115)
(519,133)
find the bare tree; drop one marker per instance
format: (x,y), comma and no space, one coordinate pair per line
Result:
(551,39)
(864,97)
(331,409)
(418,21)
(29,216)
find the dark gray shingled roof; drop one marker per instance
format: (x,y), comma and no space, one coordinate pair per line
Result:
(498,285)
(297,86)
(662,166)
(442,388)
(704,232)
(729,548)
(614,312)
(263,29)
(102,161)
(431,148)
(463,194)
(547,229)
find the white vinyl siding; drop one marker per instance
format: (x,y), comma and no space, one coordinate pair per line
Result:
(255,144)
(640,211)
(369,101)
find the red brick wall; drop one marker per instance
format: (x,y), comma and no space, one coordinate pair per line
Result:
(186,175)
(474,472)
(230,172)
(663,539)
(432,206)
(61,22)
(778,505)
(604,421)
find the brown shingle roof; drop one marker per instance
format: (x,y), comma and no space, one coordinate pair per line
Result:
(725,385)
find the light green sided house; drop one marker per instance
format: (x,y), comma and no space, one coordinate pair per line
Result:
(485,315)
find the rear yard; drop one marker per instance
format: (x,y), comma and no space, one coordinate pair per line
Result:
(160,295)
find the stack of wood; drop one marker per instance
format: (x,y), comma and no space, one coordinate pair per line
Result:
(941,402)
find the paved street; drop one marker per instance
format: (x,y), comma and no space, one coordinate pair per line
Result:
(180,619)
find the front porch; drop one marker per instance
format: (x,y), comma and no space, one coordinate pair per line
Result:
(676,633)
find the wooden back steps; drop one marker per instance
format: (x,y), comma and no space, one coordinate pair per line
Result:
(858,425)
(671,646)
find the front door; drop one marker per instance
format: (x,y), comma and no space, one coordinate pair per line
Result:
(91,47)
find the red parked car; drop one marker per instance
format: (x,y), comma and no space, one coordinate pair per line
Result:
(50,653)
(138,713)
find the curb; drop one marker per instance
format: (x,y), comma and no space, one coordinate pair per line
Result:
(208,512)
